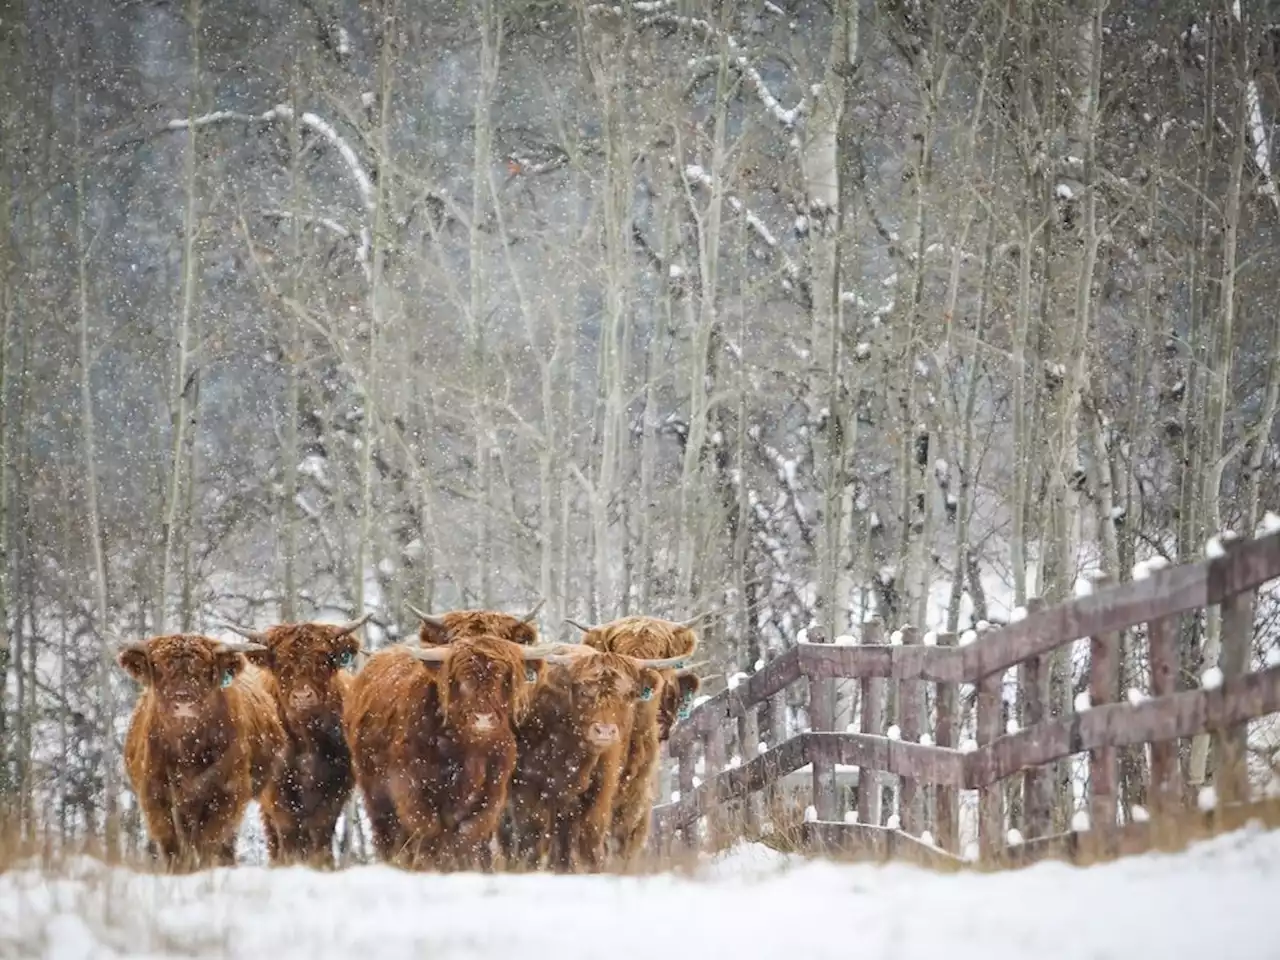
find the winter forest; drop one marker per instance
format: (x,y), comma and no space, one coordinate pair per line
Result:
(799,311)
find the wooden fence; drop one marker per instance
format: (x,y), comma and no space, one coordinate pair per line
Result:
(931,771)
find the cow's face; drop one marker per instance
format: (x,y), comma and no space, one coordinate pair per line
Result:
(484,684)
(306,661)
(606,688)
(184,671)
(677,701)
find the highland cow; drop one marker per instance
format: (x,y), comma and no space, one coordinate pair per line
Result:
(647,637)
(202,742)
(571,750)
(432,734)
(306,667)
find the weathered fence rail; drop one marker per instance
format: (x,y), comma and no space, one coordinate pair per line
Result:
(931,768)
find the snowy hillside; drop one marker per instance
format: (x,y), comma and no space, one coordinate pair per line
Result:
(750,903)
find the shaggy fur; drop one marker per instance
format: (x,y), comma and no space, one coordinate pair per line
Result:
(433,771)
(566,779)
(647,637)
(460,624)
(307,674)
(197,752)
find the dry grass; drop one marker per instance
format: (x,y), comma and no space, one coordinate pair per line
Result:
(780,827)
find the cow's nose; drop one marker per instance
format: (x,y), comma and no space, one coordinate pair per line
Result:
(604,732)
(484,721)
(303,697)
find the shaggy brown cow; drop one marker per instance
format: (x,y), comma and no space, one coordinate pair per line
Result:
(432,733)
(644,637)
(202,743)
(441,629)
(571,750)
(306,666)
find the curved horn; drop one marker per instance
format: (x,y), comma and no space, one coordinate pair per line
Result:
(528,617)
(240,646)
(542,651)
(688,671)
(694,621)
(429,654)
(427,618)
(251,635)
(354,625)
(575,623)
(666,663)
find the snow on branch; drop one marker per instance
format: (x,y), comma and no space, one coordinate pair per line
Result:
(364,183)
(1258,130)
(655,15)
(695,175)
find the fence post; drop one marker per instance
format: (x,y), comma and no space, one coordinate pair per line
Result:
(1033,694)
(947,804)
(1166,777)
(713,754)
(1104,683)
(775,732)
(910,710)
(822,719)
(748,740)
(1230,757)
(990,796)
(689,830)
(872,722)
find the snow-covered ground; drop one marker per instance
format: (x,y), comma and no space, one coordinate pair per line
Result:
(1210,902)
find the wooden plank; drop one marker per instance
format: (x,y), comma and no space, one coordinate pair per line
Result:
(1166,778)
(751,777)
(927,764)
(821,720)
(947,803)
(777,675)
(1104,688)
(911,710)
(748,741)
(872,723)
(1230,757)
(1120,724)
(915,662)
(991,796)
(1033,696)
(1163,594)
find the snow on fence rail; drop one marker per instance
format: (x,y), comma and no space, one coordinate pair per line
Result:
(938,768)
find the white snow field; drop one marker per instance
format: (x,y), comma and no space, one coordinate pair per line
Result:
(1214,901)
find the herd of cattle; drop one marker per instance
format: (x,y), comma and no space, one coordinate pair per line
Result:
(475,735)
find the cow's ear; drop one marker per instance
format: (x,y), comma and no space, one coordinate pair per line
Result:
(688,685)
(525,634)
(227,666)
(650,685)
(259,658)
(136,662)
(433,634)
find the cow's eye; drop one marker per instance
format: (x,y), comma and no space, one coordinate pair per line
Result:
(346,658)
(227,677)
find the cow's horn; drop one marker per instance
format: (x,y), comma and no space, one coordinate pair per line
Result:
(528,617)
(542,651)
(240,646)
(688,671)
(354,625)
(251,635)
(665,663)
(429,654)
(427,618)
(694,621)
(575,623)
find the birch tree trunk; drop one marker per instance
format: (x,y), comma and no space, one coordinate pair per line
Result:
(93,520)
